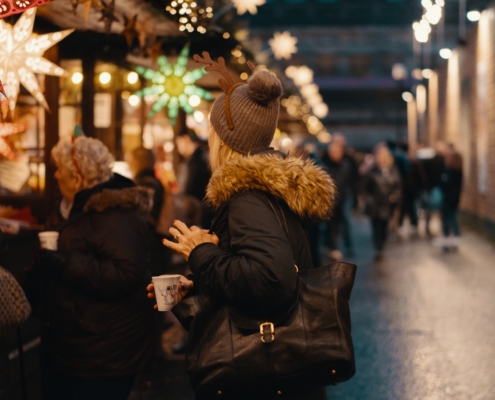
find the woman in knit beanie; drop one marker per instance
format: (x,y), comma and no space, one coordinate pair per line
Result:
(245,260)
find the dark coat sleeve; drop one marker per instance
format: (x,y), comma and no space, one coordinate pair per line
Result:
(258,272)
(113,262)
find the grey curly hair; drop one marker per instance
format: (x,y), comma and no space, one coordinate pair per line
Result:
(91,156)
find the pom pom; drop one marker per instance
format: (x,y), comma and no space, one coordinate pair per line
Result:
(264,87)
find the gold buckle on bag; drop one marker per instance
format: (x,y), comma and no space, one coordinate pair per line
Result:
(272,331)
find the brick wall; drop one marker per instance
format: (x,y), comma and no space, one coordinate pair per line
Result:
(465,114)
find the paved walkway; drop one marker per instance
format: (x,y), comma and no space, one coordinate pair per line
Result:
(423,326)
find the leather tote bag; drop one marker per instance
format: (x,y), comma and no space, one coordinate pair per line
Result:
(235,356)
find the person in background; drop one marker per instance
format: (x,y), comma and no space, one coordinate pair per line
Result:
(451,185)
(351,189)
(194,172)
(411,191)
(97,333)
(383,192)
(141,163)
(433,167)
(340,170)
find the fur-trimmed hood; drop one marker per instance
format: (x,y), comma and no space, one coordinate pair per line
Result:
(306,188)
(139,198)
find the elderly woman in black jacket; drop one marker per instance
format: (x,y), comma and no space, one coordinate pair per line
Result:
(97,331)
(245,260)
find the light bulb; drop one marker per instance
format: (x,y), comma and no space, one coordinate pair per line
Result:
(132,77)
(105,78)
(134,100)
(407,97)
(77,78)
(474,16)
(445,53)
(194,100)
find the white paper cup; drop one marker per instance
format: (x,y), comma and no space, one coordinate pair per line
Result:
(48,240)
(166,291)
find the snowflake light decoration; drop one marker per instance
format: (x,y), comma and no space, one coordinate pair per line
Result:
(21,53)
(283,45)
(173,85)
(247,5)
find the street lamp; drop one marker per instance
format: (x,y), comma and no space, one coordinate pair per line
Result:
(474,16)
(445,53)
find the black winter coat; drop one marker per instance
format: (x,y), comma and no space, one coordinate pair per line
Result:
(380,185)
(99,320)
(451,186)
(253,266)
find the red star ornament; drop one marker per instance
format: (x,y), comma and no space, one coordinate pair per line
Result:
(10,7)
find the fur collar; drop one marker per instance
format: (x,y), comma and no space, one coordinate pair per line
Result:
(306,188)
(139,198)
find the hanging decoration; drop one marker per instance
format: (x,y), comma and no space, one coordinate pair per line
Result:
(191,16)
(21,53)
(283,45)
(130,32)
(155,50)
(247,5)
(87,5)
(173,85)
(108,14)
(10,7)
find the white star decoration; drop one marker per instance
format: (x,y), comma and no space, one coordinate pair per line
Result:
(247,5)
(283,45)
(21,53)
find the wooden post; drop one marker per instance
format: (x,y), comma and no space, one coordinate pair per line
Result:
(52,94)
(412,127)
(88,95)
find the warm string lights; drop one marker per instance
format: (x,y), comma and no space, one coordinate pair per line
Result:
(313,101)
(191,16)
(432,15)
(21,58)
(303,78)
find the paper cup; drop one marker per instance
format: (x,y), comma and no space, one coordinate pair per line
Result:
(166,291)
(48,240)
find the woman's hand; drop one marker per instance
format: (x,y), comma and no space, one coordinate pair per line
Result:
(188,238)
(185,286)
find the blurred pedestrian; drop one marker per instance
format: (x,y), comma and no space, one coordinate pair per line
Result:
(433,164)
(451,186)
(97,332)
(350,192)
(411,191)
(194,172)
(339,169)
(141,163)
(247,263)
(383,195)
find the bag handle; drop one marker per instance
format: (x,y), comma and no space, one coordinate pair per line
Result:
(286,228)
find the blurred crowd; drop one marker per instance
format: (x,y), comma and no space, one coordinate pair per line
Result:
(393,187)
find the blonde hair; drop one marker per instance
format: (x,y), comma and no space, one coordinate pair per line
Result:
(220,153)
(87,157)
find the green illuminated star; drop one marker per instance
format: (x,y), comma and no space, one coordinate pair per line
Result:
(173,84)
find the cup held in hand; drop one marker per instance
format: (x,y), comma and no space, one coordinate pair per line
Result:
(48,240)
(166,291)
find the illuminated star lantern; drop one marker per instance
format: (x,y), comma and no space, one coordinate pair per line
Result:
(283,45)
(173,85)
(9,7)
(21,53)
(247,5)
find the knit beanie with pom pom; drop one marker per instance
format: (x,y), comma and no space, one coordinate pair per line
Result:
(254,109)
